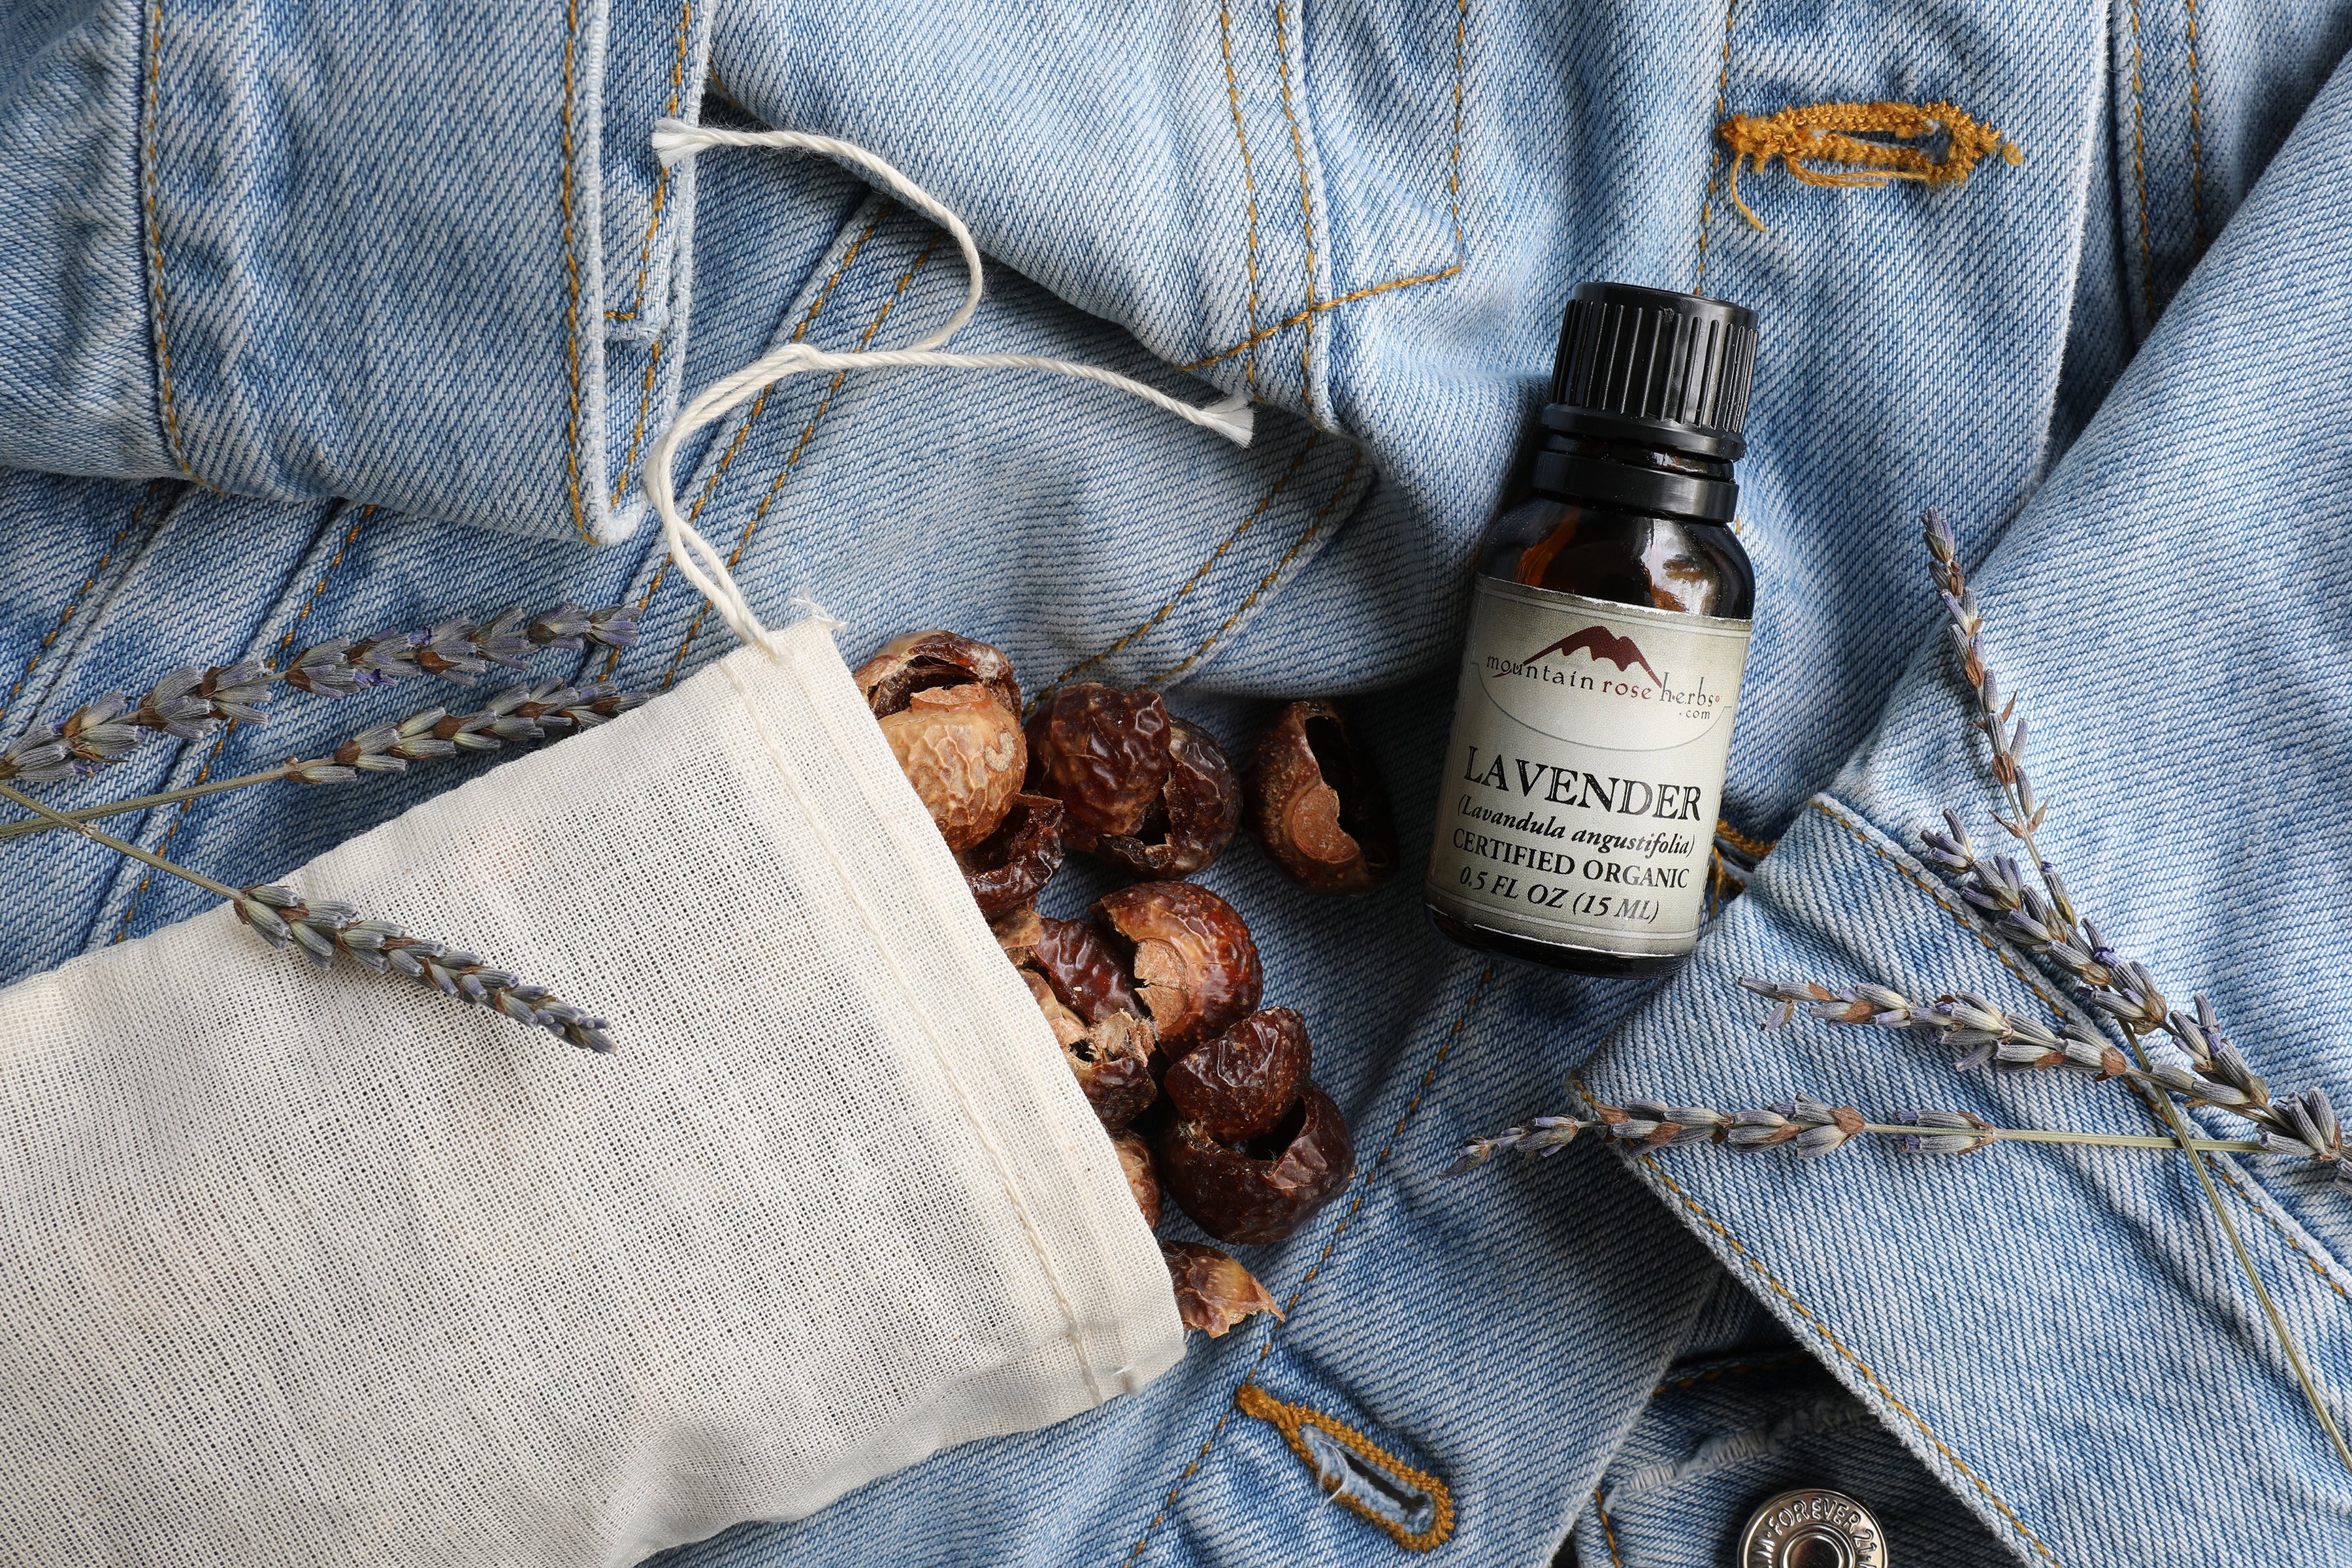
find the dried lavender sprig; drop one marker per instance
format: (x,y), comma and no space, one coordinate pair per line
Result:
(1980,1031)
(456,650)
(326,930)
(187,703)
(1809,1127)
(549,708)
(1544,1136)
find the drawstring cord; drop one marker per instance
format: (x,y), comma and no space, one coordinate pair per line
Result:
(696,556)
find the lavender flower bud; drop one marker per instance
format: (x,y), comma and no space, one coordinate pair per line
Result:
(2305,1124)
(325,670)
(1949,848)
(447,650)
(1758,1129)
(97,733)
(1827,1128)
(174,706)
(1937,533)
(1943,1133)
(232,690)
(503,640)
(38,756)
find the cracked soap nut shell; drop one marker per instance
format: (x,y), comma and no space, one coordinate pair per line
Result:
(1213,1291)
(964,752)
(1240,1084)
(1317,805)
(917,661)
(1195,965)
(1265,1187)
(1189,825)
(1103,754)
(1009,868)
(1111,1059)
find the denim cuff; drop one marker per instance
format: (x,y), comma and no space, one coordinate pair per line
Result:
(424,260)
(2045,1384)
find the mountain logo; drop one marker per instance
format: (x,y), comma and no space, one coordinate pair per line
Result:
(1600,643)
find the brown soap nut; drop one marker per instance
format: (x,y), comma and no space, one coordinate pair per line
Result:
(1192,958)
(1087,972)
(1317,805)
(1110,1058)
(1010,866)
(1103,754)
(1213,1291)
(1185,830)
(965,756)
(1240,1084)
(1135,1158)
(1264,1188)
(917,661)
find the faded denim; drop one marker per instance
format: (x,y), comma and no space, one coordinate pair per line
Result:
(2116,365)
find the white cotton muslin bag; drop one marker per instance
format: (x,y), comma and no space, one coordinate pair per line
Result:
(306,1268)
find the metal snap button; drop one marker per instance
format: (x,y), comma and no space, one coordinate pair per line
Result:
(1812,1527)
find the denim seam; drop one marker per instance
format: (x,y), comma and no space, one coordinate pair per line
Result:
(1249,186)
(1313,311)
(751,418)
(793,458)
(1200,572)
(1754,848)
(2318,1264)
(1314,308)
(2139,174)
(74,602)
(1738,1369)
(573,433)
(1364,1190)
(179,817)
(155,241)
(661,187)
(1306,204)
(2196,132)
(1608,1534)
(1822,1329)
(1714,151)
(1170,675)
(645,407)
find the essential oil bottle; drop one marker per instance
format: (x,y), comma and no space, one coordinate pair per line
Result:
(1608,632)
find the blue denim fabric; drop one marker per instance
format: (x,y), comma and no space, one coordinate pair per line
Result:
(379,307)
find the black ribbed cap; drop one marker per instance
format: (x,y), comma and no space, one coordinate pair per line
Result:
(1653,366)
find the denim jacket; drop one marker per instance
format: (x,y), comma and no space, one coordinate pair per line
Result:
(322,321)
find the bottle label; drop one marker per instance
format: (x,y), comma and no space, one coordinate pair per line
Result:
(1585,771)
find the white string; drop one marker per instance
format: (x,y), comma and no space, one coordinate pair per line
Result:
(696,556)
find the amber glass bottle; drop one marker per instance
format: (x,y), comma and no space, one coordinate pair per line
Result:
(1608,632)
